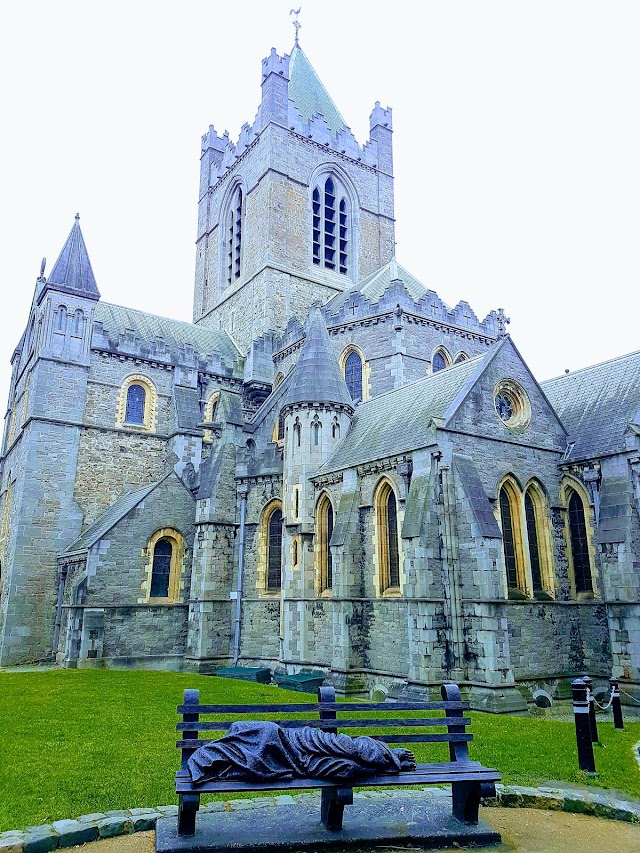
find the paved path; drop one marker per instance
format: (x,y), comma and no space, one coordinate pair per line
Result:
(522,830)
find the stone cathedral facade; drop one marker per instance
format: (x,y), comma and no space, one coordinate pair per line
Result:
(329,468)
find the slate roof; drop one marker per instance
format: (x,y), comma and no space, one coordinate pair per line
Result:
(397,422)
(596,404)
(110,517)
(377,283)
(308,94)
(117,320)
(72,272)
(316,377)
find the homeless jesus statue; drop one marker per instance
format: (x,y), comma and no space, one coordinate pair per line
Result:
(264,752)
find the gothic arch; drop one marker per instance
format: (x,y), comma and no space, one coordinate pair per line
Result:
(461,356)
(343,190)
(325,518)
(539,539)
(440,359)
(388,551)
(350,375)
(578,533)
(269,578)
(511,519)
(165,557)
(210,413)
(232,232)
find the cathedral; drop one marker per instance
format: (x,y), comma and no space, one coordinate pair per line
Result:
(329,469)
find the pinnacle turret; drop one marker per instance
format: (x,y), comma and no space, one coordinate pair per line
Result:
(72,272)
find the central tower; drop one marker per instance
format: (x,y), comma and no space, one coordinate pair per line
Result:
(292,213)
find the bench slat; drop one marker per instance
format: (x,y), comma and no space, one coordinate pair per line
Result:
(424,775)
(341,724)
(311,708)
(423,738)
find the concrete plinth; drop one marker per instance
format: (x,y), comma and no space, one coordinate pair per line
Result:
(406,821)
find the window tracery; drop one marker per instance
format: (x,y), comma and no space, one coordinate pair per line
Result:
(330,216)
(235,215)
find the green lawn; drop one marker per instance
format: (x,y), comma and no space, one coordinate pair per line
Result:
(73,742)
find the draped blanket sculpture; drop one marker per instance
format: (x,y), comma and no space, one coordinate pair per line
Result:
(262,751)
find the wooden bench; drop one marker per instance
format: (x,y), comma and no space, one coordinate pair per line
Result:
(469,780)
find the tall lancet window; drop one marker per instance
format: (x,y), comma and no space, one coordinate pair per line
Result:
(330,226)
(234,236)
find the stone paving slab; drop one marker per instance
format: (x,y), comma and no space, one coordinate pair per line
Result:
(278,828)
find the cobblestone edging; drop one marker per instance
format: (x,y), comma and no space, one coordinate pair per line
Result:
(91,827)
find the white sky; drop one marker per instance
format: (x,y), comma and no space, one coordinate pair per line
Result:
(517,147)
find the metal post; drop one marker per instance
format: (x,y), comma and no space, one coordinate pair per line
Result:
(586,761)
(616,707)
(592,709)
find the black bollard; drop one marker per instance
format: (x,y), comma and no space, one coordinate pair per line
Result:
(616,707)
(583,728)
(592,708)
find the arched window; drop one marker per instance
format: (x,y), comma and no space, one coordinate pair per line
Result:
(462,356)
(387,535)
(281,425)
(137,403)
(278,380)
(136,397)
(512,545)
(316,432)
(539,541)
(295,556)
(234,235)
(274,549)
(440,360)
(161,571)
(210,414)
(330,225)
(164,566)
(353,375)
(61,319)
(335,428)
(324,530)
(297,432)
(78,323)
(579,540)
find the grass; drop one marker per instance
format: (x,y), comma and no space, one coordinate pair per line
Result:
(74,742)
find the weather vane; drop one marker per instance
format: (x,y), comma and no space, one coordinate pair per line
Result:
(296,23)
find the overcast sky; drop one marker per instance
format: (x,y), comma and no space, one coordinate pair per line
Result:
(516,144)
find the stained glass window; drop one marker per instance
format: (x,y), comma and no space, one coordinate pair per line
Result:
(274,550)
(438,362)
(508,540)
(134,413)
(353,375)
(392,539)
(504,406)
(534,549)
(161,570)
(579,545)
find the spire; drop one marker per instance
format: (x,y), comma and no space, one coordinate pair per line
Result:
(308,94)
(317,378)
(72,271)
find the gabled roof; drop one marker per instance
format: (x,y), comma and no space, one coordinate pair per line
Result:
(308,94)
(398,421)
(374,285)
(110,517)
(72,272)
(117,320)
(597,403)
(316,377)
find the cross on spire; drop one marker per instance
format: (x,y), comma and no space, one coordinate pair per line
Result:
(296,23)
(502,322)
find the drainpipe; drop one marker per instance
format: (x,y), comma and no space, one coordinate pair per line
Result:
(243,492)
(62,577)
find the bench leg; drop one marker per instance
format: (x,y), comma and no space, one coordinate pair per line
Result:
(187,811)
(466,799)
(332,807)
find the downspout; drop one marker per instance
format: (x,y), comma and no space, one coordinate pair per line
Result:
(62,578)
(243,491)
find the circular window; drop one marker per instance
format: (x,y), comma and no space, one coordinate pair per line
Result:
(512,404)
